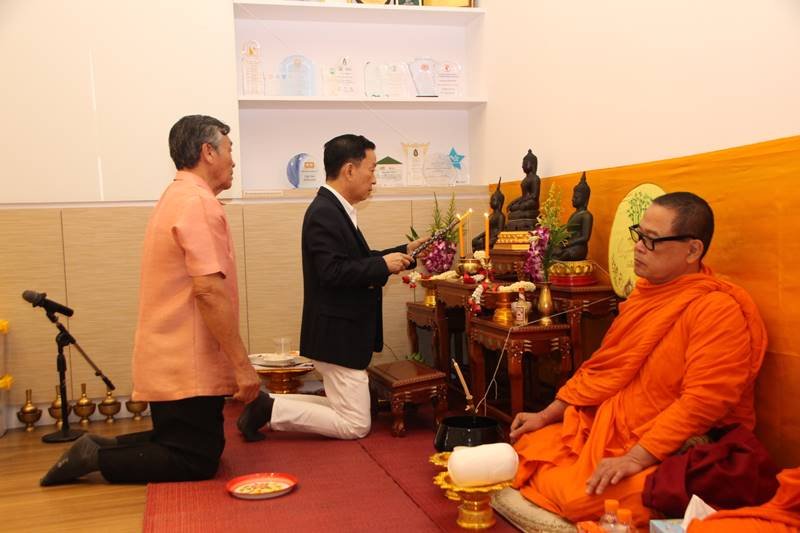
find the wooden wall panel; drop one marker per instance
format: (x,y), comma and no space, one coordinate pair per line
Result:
(103,251)
(31,258)
(236,222)
(274,273)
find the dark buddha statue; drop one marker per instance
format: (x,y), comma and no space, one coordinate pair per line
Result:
(497,220)
(523,211)
(579,225)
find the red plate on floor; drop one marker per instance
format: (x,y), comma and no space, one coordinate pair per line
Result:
(261,486)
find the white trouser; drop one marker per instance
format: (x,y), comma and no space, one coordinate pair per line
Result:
(343,413)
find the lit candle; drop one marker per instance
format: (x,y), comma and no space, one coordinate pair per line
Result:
(460,236)
(486,233)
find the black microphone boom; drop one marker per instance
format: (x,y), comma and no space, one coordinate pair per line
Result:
(39,299)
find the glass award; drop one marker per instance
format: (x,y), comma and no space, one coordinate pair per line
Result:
(393,79)
(252,77)
(339,79)
(448,78)
(415,162)
(424,75)
(302,172)
(297,76)
(372,80)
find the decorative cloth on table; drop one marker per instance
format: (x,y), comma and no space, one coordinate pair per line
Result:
(736,471)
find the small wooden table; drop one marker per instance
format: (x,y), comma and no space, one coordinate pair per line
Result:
(424,316)
(591,300)
(536,340)
(403,382)
(282,379)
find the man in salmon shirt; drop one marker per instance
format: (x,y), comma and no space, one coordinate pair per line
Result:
(187,354)
(681,358)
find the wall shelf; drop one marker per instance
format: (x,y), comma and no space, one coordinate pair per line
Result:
(324,102)
(356,13)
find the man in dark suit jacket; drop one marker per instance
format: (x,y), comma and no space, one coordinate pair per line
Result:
(342,315)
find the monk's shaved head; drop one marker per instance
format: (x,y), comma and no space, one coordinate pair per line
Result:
(693,216)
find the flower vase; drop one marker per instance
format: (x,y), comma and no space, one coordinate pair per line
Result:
(545,304)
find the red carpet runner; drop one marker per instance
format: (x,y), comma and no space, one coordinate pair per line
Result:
(380,483)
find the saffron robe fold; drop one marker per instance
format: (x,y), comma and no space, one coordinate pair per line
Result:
(680,358)
(779,515)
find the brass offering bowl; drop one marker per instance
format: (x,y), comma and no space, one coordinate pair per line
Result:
(474,511)
(468,266)
(137,408)
(29,414)
(109,407)
(84,407)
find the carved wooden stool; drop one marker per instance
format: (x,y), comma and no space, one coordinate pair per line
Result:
(405,382)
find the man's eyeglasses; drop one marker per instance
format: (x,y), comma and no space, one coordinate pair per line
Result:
(650,242)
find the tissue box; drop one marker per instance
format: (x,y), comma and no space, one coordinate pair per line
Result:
(673,525)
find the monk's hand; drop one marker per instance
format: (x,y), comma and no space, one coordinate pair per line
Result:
(612,470)
(413,245)
(525,423)
(397,262)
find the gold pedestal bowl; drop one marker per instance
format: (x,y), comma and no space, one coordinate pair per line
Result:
(29,414)
(440,459)
(474,511)
(468,266)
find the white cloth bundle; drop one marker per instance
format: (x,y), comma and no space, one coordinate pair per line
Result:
(482,465)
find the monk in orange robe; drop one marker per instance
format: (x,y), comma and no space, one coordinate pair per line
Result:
(681,358)
(779,515)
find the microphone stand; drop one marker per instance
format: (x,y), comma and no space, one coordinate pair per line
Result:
(65,338)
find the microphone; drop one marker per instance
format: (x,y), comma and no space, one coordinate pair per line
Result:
(39,299)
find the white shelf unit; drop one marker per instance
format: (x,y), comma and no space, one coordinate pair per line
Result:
(275,128)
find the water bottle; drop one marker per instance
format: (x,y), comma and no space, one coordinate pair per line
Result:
(625,521)
(609,519)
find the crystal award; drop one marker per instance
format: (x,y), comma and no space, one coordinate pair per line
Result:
(297,74)
(252,78)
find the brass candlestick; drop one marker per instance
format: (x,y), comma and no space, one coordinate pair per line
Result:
(55,408)
(29,414)
(137,408)
(84,407)
(109,407)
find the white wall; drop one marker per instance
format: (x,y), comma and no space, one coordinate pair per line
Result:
(598,84)
(91,88)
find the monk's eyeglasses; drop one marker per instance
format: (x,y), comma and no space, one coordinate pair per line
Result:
(650,242)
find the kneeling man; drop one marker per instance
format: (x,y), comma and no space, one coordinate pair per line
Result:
(681,358)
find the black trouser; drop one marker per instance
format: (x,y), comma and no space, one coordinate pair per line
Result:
(185,444)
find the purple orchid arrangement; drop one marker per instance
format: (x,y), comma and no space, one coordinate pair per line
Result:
(537,260)
(440,257)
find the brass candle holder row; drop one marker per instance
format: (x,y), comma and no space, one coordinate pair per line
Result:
(29,414)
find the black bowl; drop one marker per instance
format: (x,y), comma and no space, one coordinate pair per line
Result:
(466,431)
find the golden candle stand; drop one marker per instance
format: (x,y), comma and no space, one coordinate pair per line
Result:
(474,511)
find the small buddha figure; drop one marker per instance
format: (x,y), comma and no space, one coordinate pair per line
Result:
(497,220)
(523,211)
(579,225)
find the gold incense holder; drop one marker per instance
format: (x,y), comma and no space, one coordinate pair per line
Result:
(29,414)
(136,408)
(84,407)
(474,512)
(109,407)
(468,266)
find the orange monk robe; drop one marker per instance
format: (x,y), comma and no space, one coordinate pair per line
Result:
(680,358)
(779,515)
